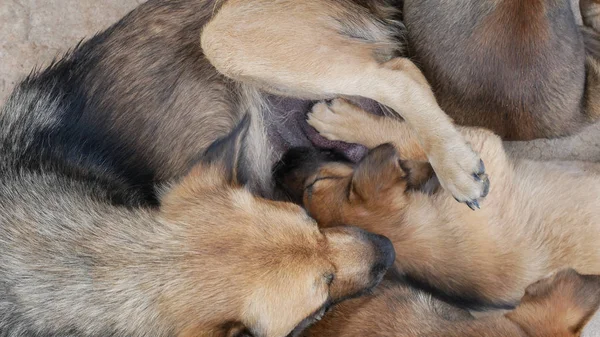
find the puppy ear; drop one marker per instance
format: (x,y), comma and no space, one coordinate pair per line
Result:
(227,153)
(585,300)
(236,329)
(379,170)
(573,298)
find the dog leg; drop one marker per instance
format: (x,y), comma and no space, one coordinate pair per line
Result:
(322,49)
(344,121)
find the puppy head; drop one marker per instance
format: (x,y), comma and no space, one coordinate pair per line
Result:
(336,192)
(256,267)
(558,306)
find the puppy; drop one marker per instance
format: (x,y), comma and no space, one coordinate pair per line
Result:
(557,306)
(518,68)
(537,218)
(81,254)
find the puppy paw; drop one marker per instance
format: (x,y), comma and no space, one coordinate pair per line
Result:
(462,173)
(339,120)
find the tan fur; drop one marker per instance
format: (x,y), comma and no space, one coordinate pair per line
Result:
(212,259)
(559,306)
(537,218)
(259,264)
(306,53)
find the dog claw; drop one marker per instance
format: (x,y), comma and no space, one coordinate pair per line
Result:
(481,168)
(486,187)
(473,204)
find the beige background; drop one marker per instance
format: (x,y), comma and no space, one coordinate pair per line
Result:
(33,32)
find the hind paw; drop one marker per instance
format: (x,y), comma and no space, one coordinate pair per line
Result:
(340,120)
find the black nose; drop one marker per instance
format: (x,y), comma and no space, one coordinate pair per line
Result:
(384,254)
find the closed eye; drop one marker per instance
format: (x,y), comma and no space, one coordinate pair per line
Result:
(311,185)
(308,190)
(329,278)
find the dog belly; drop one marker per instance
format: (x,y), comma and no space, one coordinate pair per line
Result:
(287,127)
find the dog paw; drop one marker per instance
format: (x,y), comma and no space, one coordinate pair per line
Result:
(462,173)
(339,120)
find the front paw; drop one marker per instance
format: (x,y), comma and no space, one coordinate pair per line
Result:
(339,120)
(462,173)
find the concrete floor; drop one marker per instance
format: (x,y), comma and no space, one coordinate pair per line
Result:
(33,32)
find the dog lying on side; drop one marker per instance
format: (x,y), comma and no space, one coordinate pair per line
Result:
(557,306)
(537,218)
(81,255)
(149,82)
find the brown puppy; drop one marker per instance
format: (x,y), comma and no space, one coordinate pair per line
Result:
(557,306)
(78,259)
(538,218)
(515,67)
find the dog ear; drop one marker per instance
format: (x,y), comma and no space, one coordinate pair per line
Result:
(585,299)
(228,153)
(235,329)
(574,299)
(376,173)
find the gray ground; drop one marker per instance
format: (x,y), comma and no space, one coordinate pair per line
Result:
(33,32)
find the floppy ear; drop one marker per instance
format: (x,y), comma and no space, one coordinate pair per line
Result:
(227,153)
(377,172)
(573,297)
(586,301)
(235,329)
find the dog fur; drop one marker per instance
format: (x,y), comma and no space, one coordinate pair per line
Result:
(338,48)
(83,254)
(538,218)
(557,306)
(515,67)
(154,83)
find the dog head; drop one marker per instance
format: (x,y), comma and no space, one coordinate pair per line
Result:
(256,267)
(558,306)
(335,191)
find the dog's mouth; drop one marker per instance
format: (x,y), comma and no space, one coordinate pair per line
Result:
(312,319)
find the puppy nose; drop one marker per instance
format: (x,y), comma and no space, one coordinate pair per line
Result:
(384,254)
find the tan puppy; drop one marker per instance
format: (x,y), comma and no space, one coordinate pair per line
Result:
(557,306)
(79,257)
(538,218)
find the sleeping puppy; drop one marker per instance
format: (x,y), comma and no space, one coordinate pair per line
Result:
(537,218)
(80,256)
(519,68)
(557,306)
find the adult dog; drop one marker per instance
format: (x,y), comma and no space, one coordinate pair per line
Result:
(150,84)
